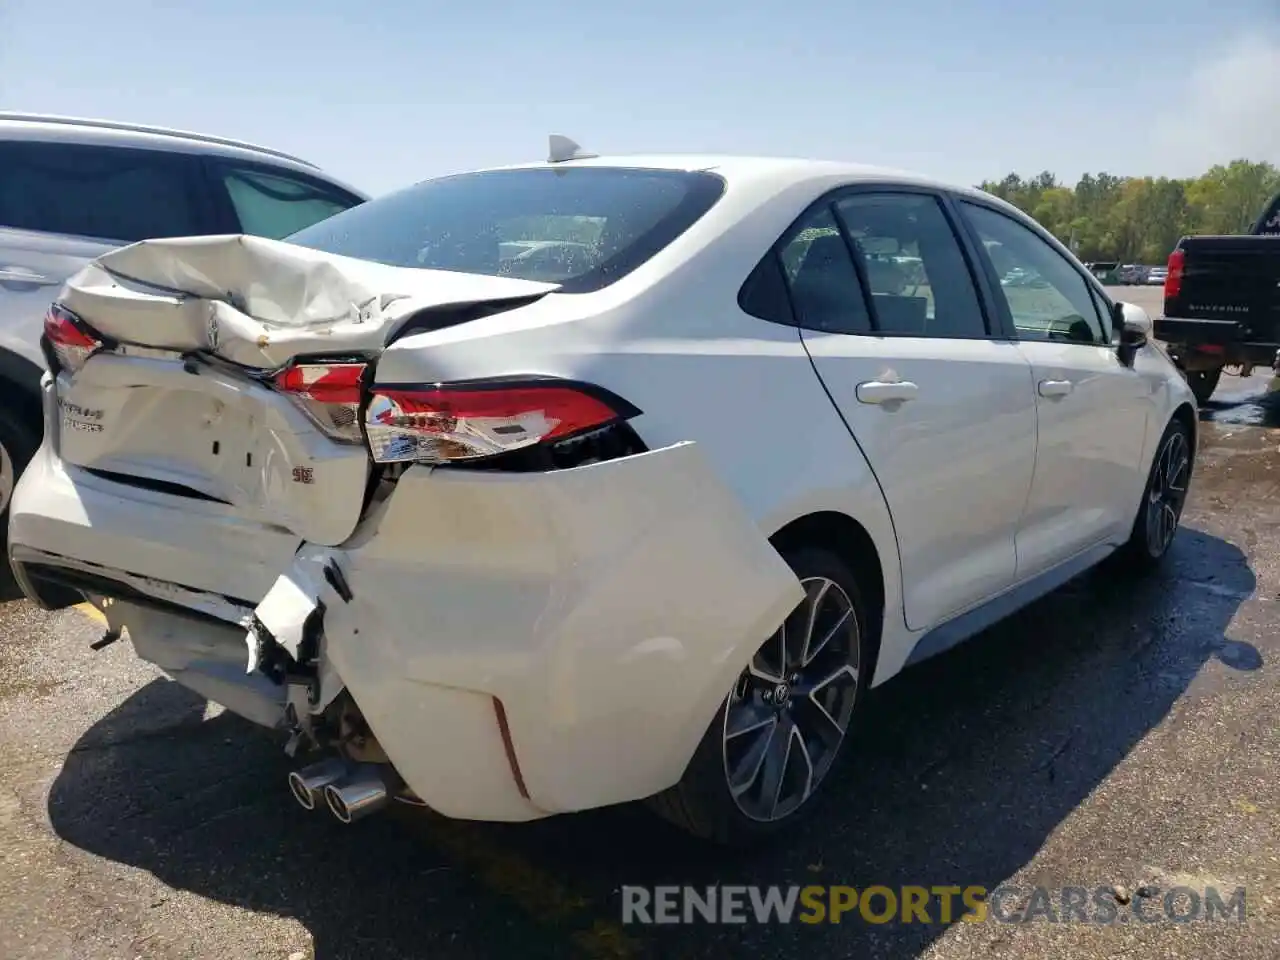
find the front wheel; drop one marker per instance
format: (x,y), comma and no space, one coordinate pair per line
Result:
(781,731)
(1165,495)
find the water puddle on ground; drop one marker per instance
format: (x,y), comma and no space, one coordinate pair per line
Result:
(1253,401)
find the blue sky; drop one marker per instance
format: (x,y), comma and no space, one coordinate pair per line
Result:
(387,92)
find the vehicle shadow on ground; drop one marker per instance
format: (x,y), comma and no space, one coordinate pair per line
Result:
(964,766)
(9,589)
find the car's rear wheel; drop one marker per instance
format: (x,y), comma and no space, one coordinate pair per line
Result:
(781,731)
(1163,499)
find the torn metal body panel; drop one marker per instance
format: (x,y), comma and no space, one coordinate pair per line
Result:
(607,665)
(260,302)
(205,657)
(224,438)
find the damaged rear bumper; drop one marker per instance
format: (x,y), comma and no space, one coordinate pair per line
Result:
(519,644)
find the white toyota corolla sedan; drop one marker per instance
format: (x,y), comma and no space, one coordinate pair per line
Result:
(535,489)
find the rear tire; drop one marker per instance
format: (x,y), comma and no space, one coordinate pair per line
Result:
(1163,499)
(784,728)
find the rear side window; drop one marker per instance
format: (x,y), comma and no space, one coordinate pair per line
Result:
(275,205)
(919,281)
(823,281)
(580,227)
(765,294)
(108,193)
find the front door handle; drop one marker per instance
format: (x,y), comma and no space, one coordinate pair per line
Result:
(881,391)
(1055,388)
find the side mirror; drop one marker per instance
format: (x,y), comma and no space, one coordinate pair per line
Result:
(1132,328)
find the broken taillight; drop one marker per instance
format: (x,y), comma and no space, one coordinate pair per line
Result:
(69,338)
(468,421)
(328,393)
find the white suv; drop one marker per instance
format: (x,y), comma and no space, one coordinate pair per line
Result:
(535,489)
(72,189)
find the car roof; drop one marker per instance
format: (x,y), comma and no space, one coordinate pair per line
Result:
(760,169)
(52,128)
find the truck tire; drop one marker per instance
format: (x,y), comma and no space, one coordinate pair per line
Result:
(1203,383)
(779,700)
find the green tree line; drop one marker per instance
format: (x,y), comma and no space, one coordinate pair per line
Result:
(1140,219)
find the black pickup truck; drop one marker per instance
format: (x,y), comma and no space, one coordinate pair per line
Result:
(1222,304)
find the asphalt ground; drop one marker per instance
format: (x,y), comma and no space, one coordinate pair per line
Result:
(1115,737)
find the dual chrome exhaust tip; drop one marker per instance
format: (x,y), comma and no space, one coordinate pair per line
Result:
(308,784)
(351,791)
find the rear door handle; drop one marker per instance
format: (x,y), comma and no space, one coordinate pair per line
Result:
(1055,388)
(880,391)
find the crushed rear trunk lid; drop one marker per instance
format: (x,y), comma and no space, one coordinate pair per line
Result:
(141,412)
(259,302)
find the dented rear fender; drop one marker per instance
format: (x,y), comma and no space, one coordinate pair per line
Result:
(607,607)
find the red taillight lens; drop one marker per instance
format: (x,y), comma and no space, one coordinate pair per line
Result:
(69,338)
(1173,282)
(448,423)
(323,382)
(328,393)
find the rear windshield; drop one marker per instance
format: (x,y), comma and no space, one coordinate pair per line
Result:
(581,227)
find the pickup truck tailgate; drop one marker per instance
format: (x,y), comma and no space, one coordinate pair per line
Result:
(1233,283)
